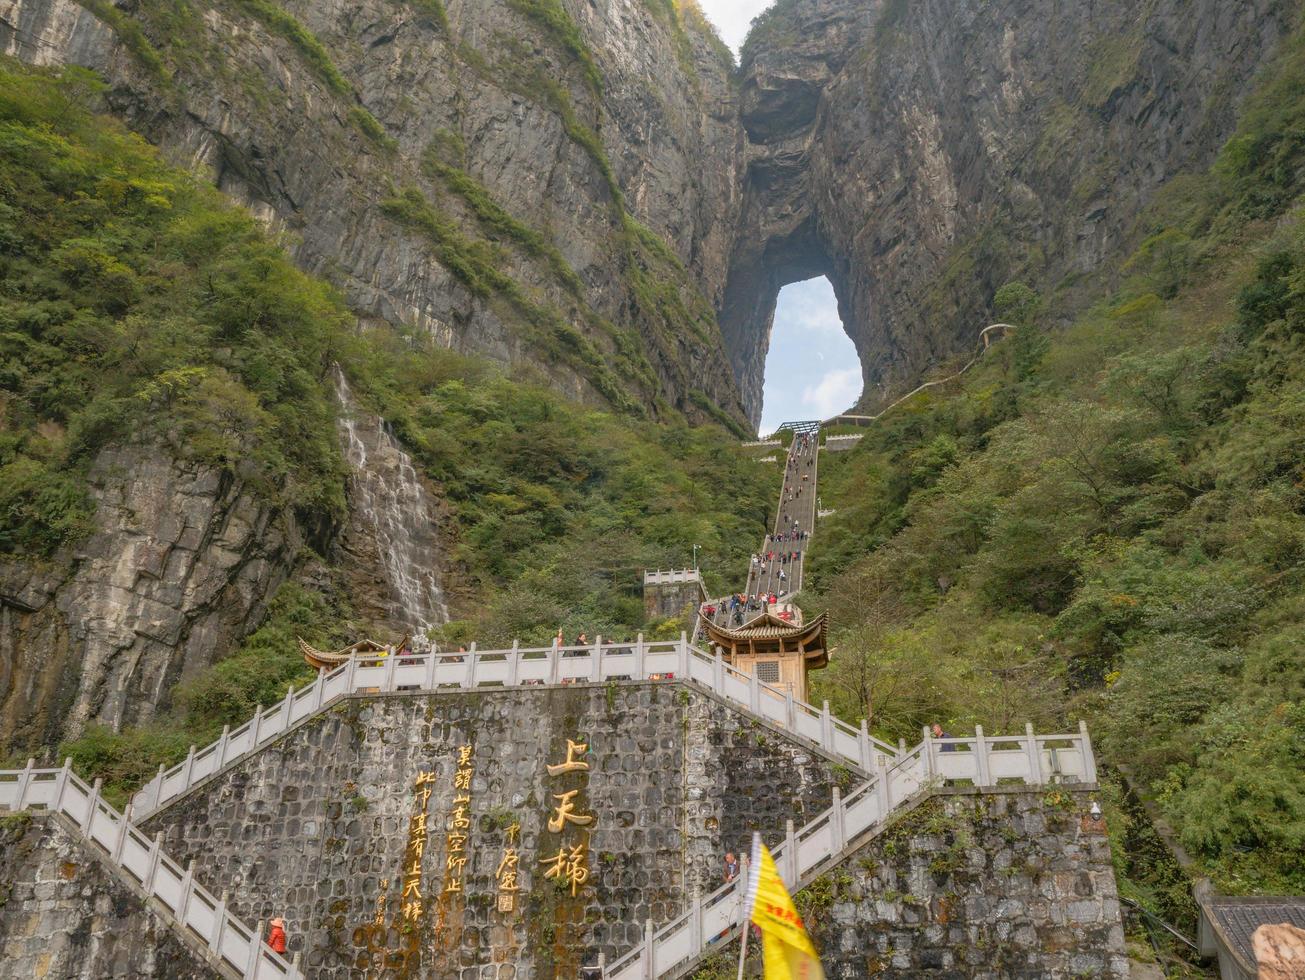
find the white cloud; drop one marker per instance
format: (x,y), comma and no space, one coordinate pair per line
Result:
(835,392)
(733,17)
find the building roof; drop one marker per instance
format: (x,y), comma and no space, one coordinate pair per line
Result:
(1235,920)
(329,659)
(766,625)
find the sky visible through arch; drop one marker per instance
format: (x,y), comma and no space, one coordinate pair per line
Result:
(812,371)
(732,18)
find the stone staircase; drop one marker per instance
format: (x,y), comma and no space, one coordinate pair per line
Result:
(983,761)
(236,951)
(521,667)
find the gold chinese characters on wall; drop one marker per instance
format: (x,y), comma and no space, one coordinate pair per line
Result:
(459,825)
(570,865)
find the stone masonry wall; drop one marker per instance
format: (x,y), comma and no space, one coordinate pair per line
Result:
(1010,884)
(317,827)
(665,600)
(64,914)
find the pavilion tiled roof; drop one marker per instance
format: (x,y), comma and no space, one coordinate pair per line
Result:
(1235,919)
(768,626)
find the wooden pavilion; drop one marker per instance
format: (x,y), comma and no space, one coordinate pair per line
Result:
(776,645)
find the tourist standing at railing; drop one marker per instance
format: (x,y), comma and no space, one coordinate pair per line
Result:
(939,733)
(276,937)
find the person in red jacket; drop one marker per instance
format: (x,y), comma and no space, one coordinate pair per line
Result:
(276,938)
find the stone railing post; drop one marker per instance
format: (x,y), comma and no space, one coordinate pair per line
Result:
(983,776)
(649,967)
(187,887)
(684,655)
(791,870)
(256,727)
(255,951)
(391,664)
(1085,749)
(836,825)
(826,727)
(883,787)
(640,669)
(514,665)
(286,707)
(189,771)
(24,781)
(695,923)
(596,660)
(350,670)
(158,787)
(92,802)
(926,752)
(554,663)
(61,784)
(790,710)
(469,667)
(219,923)
(1035,756)
(428,680)
(320,695)
(120,842)
(754,693)
(718,671)
(152,866)
(225,738)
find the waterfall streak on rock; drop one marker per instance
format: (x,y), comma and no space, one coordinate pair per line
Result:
(388,502)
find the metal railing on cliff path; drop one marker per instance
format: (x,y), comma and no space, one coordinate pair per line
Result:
(520,667)
(985,761)
(237,950)
(984,337)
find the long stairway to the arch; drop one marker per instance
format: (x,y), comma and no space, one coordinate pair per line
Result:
(777,568)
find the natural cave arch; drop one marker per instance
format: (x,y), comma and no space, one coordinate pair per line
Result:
(812,370)
(772,252)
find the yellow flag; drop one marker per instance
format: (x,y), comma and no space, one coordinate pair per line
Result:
(787,952)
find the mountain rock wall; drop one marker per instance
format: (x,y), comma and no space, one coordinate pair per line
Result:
(64,912)
(585,190)
(922,154)
(606,133)
(179,570)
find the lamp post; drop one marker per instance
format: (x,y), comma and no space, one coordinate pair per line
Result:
(695,557)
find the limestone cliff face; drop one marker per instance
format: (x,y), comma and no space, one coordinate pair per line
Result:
(482,108)
(317,144)
(178,571)
(921,154)
(575,196)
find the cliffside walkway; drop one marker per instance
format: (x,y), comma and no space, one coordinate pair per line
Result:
(983,761)
(236,951)
(521,667)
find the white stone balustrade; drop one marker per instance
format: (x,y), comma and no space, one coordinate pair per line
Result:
(238,950)
(518,667)
(983,761)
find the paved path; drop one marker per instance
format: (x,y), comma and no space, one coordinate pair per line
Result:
(777,568)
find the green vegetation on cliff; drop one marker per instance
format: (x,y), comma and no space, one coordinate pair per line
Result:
(1109,521)
(136,305)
